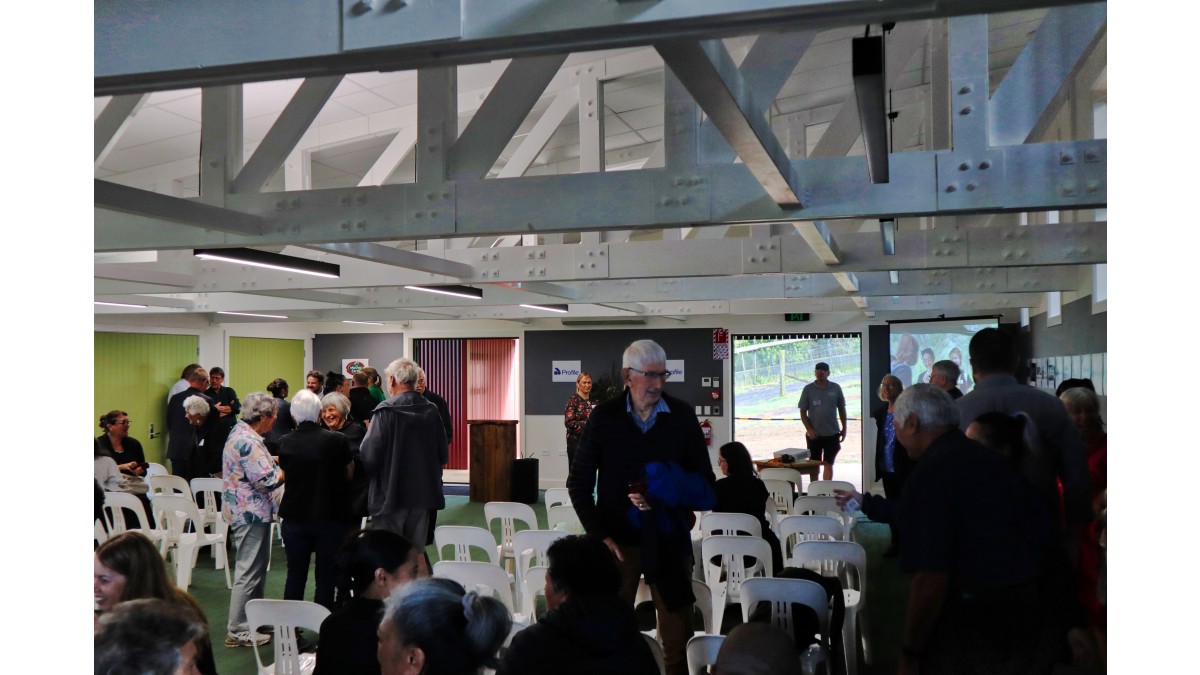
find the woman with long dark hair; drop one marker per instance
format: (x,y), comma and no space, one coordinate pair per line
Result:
(742,491)
(371,564)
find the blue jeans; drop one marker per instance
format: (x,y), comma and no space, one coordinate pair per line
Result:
(300,540)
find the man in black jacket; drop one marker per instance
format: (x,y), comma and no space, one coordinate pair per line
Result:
(181,438)
(587,628)
(623,436)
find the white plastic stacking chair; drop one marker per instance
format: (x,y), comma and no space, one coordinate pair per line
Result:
(704,604)
(557,497)
(535,587)
(114,505)
(731,523)
(825,506)
(169,485)
(846,553)
(286,616)
(177,511)
(823,488)
(155,469)
(798,528)
(781,492)
(509,514)
(782,594)
(473,575)
(702,652)
(99,533)
(656,651)
(530,547)
(463,538)
(771,512)
(211,488)
(564,518)
(732,551)
(781,473)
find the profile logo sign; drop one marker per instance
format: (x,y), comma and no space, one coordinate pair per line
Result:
(564,371)
(676,369)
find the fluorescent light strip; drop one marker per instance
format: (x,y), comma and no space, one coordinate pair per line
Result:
(561,309)
(282,268)
(264,316)
(465,291)
(119,304)
(366,323)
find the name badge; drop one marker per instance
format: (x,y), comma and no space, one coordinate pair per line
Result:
(816,402)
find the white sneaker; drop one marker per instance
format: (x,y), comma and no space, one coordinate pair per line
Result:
(246,639)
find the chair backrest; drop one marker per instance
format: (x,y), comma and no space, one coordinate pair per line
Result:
(781,492)
(557,497)
(733,551)
(771,512)
(156,469)
(842,552)
(173,512)
(797,528)
(824,505)
(819,488)
(509,513)
(169,485)
(98,532)
(702,652)
(704,604)
(782,594)
(114,503)
(535,585)
(286,616)
(780,473)
(656,651)
(564,518)
(731,523)
(211,488)
(463,538)
(535,543)
(475,574)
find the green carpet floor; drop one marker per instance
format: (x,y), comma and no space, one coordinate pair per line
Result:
(887,592)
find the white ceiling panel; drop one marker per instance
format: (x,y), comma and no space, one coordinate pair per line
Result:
(366,103)
(267,98)
(334,112)
(146,155)
(153,124)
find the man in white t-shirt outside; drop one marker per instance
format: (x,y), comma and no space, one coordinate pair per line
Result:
(822,405)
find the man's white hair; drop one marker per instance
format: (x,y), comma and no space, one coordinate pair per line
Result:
(642,353)
(305,406)
(195,405)
(932,406)
(403,371)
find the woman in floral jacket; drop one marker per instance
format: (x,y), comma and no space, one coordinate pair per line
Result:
(252,479)
(579,407)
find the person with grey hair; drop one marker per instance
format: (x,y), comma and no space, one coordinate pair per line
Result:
(945,376)
(148,637)
(248,504)
(974,547)
(403,453)
(315,506)
(646,448)
(432,626)
(337,414)
(187,428)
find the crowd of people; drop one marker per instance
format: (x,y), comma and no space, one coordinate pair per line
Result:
(991,497)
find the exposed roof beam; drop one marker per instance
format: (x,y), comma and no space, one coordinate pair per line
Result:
(520,86)
(113,121)
(544,288)
(847,281)
(1024,101)
(531,146)
(151,300)
(311,296)
(398,258)
(816,234)
(707,71)
(184,211)
(144,276)
(283,136)
(401,146)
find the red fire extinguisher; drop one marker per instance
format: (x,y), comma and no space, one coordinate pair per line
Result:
(706,427)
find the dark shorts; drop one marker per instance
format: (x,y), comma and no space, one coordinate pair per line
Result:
(826,446)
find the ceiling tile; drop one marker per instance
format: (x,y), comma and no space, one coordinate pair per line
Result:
(185,106)
(160,97)
(334,112)
(153,124)
(642,118)
(366,103)
(374,80)
(267,98)
(152,154)
(400,93)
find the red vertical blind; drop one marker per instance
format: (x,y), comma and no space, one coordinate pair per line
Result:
(445,364)
(493,380)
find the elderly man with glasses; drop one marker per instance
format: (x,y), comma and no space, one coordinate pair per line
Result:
(644,455)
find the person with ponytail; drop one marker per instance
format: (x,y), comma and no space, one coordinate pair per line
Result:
(371,564)
(433,627)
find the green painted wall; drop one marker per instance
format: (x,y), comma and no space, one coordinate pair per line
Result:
(254,362)
(133,372)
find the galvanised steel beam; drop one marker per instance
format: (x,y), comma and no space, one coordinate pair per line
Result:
(113,121)
(145,46)
(287,131)
(121,198)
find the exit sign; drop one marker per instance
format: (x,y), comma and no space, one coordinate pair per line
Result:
(799,316)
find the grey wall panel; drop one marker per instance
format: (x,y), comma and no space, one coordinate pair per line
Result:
(599,353)
(1080,332)
(381,348)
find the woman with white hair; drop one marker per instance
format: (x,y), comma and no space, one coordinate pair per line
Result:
(335,415)
(315,507)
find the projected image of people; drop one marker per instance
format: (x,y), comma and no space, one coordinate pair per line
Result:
(927,359)
(904,357)
(964,374)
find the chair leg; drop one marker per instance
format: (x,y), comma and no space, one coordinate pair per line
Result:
(184,555)
(850,641)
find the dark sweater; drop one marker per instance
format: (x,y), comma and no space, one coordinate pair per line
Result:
(581,636)
(349,641)
(314,461)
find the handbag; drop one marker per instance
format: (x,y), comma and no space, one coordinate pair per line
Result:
(134,485)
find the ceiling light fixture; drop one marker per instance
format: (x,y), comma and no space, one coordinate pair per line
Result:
(119,304)
(561,309)
(264,316)
(271,261)
(366,323)
(457,290)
